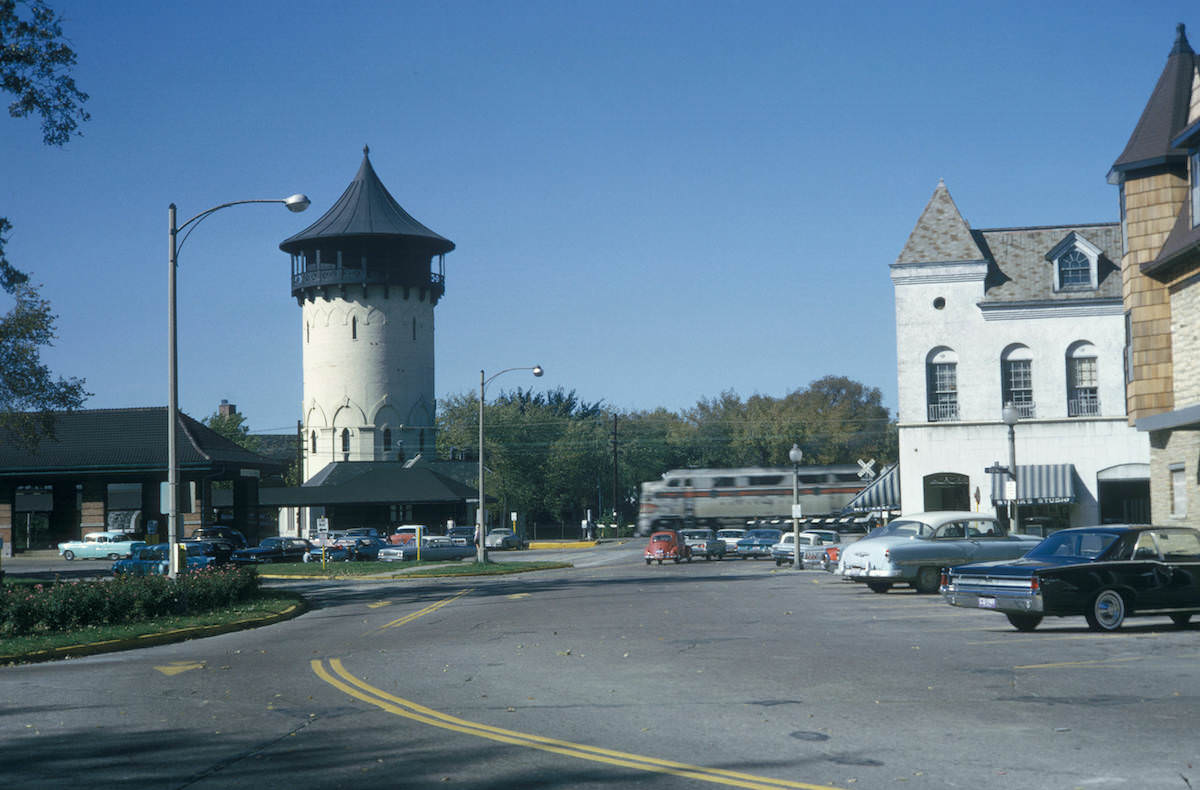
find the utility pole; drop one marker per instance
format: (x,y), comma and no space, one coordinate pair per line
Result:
(616,512)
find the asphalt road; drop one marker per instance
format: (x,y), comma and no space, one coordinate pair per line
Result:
(614,674)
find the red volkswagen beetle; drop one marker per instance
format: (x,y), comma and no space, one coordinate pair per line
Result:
(667,544)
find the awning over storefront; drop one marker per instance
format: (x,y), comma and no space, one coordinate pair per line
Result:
(882,494)
(1038,484)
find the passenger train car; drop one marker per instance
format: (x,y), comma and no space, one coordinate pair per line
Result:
(729,497)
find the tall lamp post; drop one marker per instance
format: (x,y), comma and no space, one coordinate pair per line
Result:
(795,455)
(294,203)
(480,524)
(1010,415)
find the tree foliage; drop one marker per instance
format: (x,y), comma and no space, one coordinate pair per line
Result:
(35,65)
(234,428)
(550,455)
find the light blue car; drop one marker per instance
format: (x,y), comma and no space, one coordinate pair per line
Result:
(100,545)
(152,560)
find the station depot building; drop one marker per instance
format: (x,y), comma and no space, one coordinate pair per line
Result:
(106,469)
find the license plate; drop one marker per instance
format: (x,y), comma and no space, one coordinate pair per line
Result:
(987,603)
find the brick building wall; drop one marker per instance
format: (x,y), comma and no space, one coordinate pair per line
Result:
(1170,449)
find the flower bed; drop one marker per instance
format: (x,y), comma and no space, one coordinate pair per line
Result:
(64,606)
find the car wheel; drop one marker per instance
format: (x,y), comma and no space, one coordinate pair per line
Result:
(1107,612)
(308,557)
(879,587)
(825,564)
(676,560)
(660,562)
(927,580)
(778,563)
(68,555)
(1181,619)
(114,556)
(649,561)
(1023,622)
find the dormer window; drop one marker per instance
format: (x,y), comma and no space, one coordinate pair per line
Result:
(1074,270)
(1074,259)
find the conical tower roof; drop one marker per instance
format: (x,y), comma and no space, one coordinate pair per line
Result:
(1165,115)
(367,210)
(941,234)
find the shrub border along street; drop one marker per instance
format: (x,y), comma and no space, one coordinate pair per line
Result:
(158,631)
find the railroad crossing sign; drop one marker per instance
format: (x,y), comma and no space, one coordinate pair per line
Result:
(867,471)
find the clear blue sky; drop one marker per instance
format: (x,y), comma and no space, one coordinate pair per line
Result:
(656,201)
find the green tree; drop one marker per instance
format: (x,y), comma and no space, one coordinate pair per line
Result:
(35,65)
(234,428)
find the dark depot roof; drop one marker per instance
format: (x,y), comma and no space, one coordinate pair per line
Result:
(129,440)
(371,482)
(367,209)
(1165,114)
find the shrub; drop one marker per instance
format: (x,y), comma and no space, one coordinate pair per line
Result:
(67,606)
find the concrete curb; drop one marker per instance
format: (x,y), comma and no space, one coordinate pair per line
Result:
(558,544)
(159,638)
(419,572)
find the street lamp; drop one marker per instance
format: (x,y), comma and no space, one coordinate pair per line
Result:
(480,549)
(294,203)
(795,455)
(1010,415)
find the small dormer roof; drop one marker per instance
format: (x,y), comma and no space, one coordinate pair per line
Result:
(367,209)
(1166,113)
(941,234)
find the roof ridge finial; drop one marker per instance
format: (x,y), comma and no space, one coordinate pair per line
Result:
(366,149)
(1181,43)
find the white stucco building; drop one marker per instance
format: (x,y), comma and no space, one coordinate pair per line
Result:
(1031,316)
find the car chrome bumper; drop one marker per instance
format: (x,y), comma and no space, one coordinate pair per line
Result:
(873,573)
(998,599)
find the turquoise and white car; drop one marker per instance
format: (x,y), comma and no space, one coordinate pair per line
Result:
(99,546)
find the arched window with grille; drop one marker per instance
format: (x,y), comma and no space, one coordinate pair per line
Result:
(1016,378)
(1083,386)
(387,440)
(345,444)
(941,374)
(312,448)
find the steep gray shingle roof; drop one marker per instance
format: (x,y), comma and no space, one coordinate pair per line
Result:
(1165,114)
(941,234)
(366,208)
(1019,271)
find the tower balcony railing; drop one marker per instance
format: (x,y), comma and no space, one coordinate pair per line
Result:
(1087,406)
(357,275)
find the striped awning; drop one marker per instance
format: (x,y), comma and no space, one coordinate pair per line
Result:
(1038,484)
(882,494)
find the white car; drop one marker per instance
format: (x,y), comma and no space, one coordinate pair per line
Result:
(731,536)
(913,549)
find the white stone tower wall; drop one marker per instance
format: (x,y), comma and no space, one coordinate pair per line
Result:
(368,366)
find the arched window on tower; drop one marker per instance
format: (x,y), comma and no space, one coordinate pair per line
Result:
(414,327)
(354,327)
(307,332)
(421,441)
(312,448)
(387,440)
(345,444)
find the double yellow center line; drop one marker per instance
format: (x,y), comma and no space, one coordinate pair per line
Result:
(336,675)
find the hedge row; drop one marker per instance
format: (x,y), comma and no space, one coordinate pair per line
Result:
(67,606)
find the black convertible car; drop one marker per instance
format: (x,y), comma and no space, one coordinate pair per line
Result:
(1104,573)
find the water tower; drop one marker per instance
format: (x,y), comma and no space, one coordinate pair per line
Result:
(365,278)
